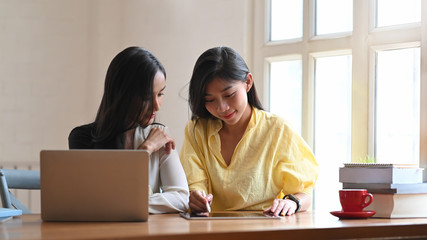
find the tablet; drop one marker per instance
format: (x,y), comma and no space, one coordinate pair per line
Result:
(228,215)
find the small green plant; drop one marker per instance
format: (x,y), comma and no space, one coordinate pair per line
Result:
(367,159)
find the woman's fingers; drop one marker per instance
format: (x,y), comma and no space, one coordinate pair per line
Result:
(198,201)
(156,139)
(281,207)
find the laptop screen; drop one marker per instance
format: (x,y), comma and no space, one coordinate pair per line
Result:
(94,185)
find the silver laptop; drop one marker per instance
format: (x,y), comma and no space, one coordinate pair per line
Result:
(94,185)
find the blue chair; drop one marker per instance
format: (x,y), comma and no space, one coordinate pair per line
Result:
(17,179)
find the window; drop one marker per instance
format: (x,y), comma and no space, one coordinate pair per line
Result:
(332,125)
(286,90)
(333,16)
(397,12)
(286,19)
(357,76)
(397,98)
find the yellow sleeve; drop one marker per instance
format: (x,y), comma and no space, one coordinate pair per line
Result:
(299,167)
(192,159)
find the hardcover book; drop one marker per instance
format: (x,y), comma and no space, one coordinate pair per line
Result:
(381,165)
(374,173)
(388,187)
(399,205)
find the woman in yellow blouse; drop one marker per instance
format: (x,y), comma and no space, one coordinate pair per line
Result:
(243,157)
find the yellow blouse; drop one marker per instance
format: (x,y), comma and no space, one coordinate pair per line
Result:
(270,159)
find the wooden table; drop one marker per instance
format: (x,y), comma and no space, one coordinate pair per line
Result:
(304,225)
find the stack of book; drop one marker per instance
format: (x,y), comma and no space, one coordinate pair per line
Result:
(398,189)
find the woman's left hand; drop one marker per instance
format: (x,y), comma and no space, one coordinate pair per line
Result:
(156,139)
(281,207)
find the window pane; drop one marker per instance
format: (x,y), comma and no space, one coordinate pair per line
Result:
(395,12)
(397,106)
(334,16)
(332,125)
(286,91)
(286,19)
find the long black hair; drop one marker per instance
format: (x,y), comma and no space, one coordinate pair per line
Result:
(128,95)
(221,62)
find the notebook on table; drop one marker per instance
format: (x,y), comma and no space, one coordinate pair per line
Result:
(94,185)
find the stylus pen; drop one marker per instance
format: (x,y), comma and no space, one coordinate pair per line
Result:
(208,207)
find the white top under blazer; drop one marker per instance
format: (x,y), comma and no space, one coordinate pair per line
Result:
(167,181)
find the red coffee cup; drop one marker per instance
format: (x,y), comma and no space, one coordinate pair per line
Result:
(355,200)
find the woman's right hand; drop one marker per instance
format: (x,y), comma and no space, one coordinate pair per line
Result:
(157,138)
(198,202)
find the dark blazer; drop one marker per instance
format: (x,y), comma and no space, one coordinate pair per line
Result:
(82,137)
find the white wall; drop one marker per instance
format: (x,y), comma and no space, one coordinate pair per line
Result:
(54,55)
(43,74)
